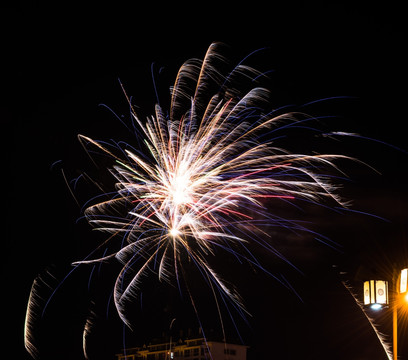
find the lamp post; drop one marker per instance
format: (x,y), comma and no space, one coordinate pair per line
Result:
(376,297)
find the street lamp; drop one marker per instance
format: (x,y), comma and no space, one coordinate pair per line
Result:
(376,294)
(376,297)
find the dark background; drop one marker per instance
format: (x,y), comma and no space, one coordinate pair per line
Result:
(61,60)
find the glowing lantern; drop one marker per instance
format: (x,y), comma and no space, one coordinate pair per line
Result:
(376,294)
(403,281)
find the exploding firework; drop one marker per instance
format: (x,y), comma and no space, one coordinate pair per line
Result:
(206,164)
(201,179)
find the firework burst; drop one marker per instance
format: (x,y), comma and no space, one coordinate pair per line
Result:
(201,181)
(207,166)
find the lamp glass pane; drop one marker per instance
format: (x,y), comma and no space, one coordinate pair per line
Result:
(372,292)
(404,280)
(367,293)
(381,292)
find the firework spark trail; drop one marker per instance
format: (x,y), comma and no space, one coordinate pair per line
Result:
(206,166)
(381,337)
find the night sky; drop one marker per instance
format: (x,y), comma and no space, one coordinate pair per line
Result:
(62,61)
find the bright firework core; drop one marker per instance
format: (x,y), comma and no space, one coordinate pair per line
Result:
(180,189)
(174,232)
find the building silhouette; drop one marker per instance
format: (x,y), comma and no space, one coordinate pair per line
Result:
(191,349)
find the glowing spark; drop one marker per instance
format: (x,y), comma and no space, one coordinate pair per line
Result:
(174,232)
